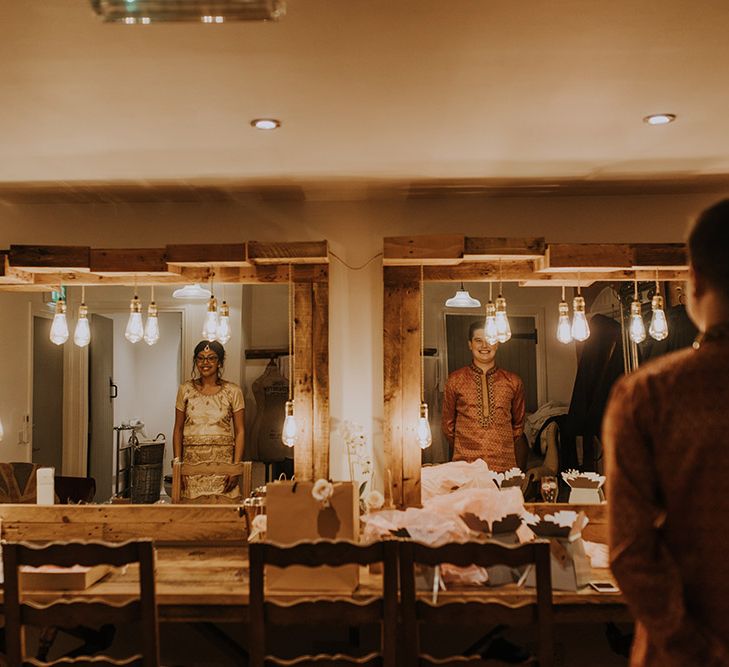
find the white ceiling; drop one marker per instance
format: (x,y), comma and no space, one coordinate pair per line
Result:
(371,89)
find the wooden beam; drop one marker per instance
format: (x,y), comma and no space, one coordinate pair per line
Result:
(207,254)
(295,252)
(10,275)
(410,382)
(660,255)
(320,379)
(483,248)
(586,257)
(303,381)
(435,249)
(49,258)
(126,261)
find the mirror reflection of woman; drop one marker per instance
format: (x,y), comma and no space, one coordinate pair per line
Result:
(209,423)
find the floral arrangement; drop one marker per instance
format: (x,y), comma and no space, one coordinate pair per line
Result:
(322,491)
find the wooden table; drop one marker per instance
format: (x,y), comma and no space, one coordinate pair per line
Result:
(210,584)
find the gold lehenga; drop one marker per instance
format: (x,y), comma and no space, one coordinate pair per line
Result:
(207,435)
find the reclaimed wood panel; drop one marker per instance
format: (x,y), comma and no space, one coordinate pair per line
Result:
(436,249)
(320,380)
(586,257)
(50,258)
(478,247)
(10,275)
(123,261)
(207,254)
(303,380)
(660,255)
(299,252)
(410,383)
(115,523)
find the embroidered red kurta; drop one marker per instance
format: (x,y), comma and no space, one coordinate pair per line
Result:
(482,414)
(666,437)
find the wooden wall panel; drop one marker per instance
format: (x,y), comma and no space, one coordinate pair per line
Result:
(410,382)
(303,380)
(320,380)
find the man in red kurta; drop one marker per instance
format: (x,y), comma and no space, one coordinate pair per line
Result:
(483,409)
(666,436)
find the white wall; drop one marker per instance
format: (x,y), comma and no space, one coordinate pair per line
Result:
(355,231)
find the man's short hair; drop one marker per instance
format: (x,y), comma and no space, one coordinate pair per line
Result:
(708,246)
(475,326)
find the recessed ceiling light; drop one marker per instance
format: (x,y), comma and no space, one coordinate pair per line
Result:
(266,123)
(660,118)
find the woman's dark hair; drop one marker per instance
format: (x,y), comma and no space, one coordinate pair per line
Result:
(213,346)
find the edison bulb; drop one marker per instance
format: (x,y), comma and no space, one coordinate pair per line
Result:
(290,430)
(82,332)
(151,328)
(135,329)
(580,327)
(659,326)
(503,330)
(490,330)
(636,327)
(210,326)
(224,324)
(564,328)
(423,434)
(59,326)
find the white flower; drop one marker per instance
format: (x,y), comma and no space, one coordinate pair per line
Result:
(374,500)
(322,490)
(260,523)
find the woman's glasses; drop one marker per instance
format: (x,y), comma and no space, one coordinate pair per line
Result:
(212,358)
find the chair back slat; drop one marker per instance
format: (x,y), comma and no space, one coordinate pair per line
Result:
(321,552)
(483,554)
(75,612)
(133,661)
(321,611)
(70,613)
(68,554)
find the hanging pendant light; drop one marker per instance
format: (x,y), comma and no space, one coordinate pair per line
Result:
(151,328)
(462,299)
(82,331)
(224,324)
(636,328)
(135,328)
(659,325)
(503,330)
(580,327)
(290,430)
(210,325)
(59,326)
(489,328)
(564,328)
(422,433)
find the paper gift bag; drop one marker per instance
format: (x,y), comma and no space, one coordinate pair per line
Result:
(294,515)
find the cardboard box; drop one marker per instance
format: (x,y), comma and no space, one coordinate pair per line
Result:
(51,578)
(570,565)
(294,515)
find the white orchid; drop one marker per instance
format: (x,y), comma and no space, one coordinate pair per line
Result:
(322,491)
(374,500)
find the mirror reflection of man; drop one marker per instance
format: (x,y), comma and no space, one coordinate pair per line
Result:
(483,409)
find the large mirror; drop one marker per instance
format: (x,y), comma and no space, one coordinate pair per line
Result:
(557,390)
(77,409)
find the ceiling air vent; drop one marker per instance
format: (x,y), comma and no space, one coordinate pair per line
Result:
(197,11)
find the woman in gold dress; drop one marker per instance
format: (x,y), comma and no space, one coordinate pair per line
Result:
(206,408)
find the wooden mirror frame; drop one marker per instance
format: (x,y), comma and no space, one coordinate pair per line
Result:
(529,261)
(27,268)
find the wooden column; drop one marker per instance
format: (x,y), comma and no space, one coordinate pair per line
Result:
(402,383)
(311,376)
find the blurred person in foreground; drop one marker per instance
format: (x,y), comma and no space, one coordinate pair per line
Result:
(666,435)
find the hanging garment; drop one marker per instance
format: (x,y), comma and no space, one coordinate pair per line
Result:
(271,391)
(600,365)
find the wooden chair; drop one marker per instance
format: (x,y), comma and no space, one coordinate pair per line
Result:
(72,612)
(242,470)
(382,609)
(462,613)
